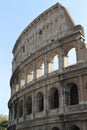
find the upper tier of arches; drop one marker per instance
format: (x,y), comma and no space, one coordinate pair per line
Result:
(40,67)
(53,23)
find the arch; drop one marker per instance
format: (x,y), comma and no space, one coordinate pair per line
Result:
(15,110)
(53,98)
(39,102)
(40,68)
(71,94)
(28,105)
(74,127)
(30,73)
(55,128)
(70,57)
(53,62)
(22,78)
(17,82)
(74,99)
(23,48)
(20,108)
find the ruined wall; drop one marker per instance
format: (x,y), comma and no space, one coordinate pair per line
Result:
(47,92)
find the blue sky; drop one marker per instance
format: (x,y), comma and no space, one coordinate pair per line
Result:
(15,15)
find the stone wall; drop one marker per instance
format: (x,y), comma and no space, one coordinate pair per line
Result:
(46,91)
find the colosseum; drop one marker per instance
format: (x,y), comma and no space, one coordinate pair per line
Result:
(48,92)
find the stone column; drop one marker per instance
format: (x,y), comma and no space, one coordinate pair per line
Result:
(45,64)
(25,76)
(80,50)
(12,112)
(17,111)
(19,80)
(9,117)
(61,58)
(34,73)
(61,100)
(33,104)
(81,92)
(45,99)
(84,125)
(24,111)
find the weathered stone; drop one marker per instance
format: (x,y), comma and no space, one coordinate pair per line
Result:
(48,94)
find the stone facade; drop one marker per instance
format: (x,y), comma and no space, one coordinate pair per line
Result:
(47,92)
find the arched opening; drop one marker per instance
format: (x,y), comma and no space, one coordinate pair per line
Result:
(17,83)
(28,105)
(15,110)
(39,102)
(53,98)
(13,89)
(30,73)
(22,78)
(74,127)
(72,56)
(71,94)
(55,128)
(40,68)
(23,48)
(74,95)
(53,62)
(20,108)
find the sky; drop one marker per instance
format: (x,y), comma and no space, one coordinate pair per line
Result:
(15,15)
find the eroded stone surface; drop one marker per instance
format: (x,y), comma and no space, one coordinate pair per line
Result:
(47,93)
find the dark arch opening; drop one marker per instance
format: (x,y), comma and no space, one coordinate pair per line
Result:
(53,98)
(74,95)
(40,102)
(55,128)
(74,128)
(28,105)
(15,110)
(21,108)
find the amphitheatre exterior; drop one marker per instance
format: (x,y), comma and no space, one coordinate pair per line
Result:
(47,92)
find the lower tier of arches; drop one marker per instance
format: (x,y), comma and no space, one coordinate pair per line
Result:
(52,124)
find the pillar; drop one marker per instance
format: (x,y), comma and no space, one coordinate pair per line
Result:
(24,107)
(61,58)
(45,64)
(61,99)
(34,74)
(81,92)
(33,104)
